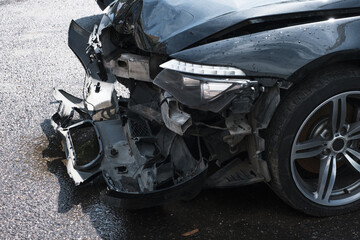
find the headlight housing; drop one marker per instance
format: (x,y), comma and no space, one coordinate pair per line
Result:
(203,87)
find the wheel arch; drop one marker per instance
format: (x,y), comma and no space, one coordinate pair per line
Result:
(329,61)
(279,138)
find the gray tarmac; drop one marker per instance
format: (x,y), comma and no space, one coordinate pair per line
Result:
(37,198)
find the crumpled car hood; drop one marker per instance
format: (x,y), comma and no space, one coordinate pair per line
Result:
(168,26)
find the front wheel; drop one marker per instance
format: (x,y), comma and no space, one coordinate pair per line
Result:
(315,144)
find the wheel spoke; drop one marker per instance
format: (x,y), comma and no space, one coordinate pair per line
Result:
(338,113)
(309,148)
(353,132)
(327,176)
(351,160)
(354,137)
(357,112)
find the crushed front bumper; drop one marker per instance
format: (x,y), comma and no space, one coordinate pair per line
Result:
(142,161)
(141,169)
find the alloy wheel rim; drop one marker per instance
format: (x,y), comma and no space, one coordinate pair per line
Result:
(329,139)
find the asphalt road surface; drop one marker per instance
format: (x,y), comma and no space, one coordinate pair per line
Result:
(37,198)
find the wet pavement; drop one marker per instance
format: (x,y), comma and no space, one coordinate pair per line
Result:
(37,198)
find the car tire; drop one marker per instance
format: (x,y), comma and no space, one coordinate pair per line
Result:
(313,143)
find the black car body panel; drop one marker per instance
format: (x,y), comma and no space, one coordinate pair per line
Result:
(103,3)
(166,27)
(266,53)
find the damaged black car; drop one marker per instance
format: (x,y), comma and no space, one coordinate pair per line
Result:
(220,94)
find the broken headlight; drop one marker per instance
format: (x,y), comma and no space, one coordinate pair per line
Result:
(209,90)
(202,86)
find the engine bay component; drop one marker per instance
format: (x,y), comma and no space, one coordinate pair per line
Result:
(176,120)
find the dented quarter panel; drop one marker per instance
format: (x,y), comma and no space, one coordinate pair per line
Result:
(266,53)
(169,26)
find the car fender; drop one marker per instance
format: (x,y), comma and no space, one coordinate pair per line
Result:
(282,52)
